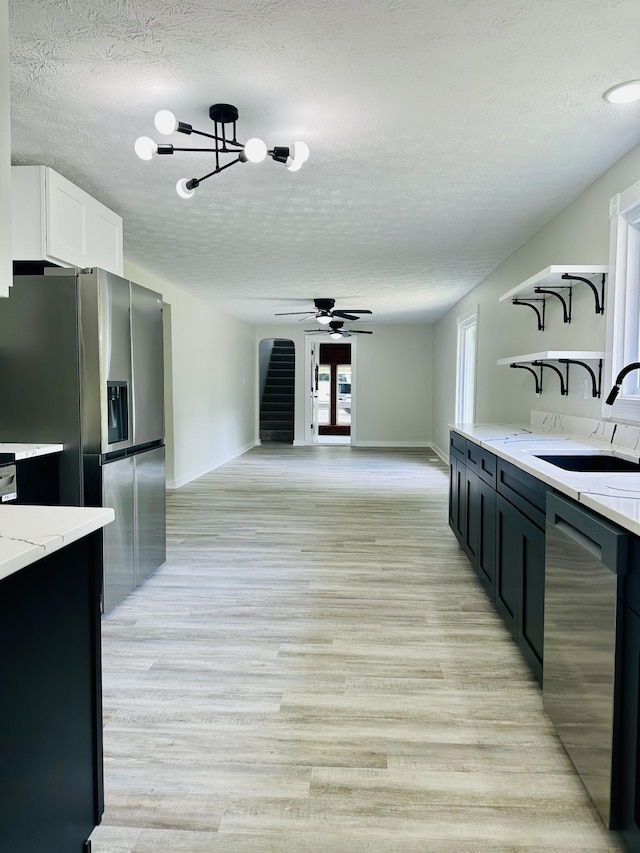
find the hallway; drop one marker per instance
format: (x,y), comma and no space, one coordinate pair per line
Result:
(316,670)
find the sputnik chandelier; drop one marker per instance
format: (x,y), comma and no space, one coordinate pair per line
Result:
(222,115)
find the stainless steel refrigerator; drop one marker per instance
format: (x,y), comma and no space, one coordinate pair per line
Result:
(81,363)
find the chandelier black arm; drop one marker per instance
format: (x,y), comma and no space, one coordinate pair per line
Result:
(215,172)
(206,150)
(222,139)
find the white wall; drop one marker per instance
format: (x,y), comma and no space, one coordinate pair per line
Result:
(580,234)
(393,387)
(210,382)
(6,269)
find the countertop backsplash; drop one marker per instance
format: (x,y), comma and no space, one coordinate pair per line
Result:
(608,432)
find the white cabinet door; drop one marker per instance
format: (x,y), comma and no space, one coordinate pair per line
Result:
(80,230)
(104,238)
(6,270)
(66,210)
(54,220)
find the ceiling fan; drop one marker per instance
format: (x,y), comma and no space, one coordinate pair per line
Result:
(337,331)
(325,312)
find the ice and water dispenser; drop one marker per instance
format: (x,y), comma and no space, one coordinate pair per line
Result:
(118,412)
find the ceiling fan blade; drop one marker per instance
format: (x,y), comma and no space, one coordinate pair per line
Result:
(345,315)
(287,313)
(360,332)
(353,311)
(313,331)
(308,317)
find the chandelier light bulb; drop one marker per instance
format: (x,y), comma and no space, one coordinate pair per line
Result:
(623,93)
(335,335)
(325,319)
(300,156)
(255,150)
(145,148)
(182,189)
(165,122)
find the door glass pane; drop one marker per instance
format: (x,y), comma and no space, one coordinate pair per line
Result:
(324,393)
(344,393)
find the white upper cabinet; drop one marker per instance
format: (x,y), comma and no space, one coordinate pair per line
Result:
(6,270)
(54,220)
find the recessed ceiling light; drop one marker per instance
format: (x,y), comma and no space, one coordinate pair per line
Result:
(623,93)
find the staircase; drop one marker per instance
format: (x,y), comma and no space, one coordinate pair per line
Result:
(277,407)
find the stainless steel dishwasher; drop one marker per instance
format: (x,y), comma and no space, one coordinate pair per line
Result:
(585,555)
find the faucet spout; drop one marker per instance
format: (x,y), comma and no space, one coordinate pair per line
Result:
(628,368)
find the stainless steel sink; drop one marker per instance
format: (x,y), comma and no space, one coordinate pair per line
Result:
(590,462)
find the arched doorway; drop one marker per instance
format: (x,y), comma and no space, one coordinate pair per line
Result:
(277,365)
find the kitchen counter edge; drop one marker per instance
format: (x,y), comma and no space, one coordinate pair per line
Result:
(29,533)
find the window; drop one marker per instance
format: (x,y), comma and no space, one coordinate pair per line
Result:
(623,304)
(466,366)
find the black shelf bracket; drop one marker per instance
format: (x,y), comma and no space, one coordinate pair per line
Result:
(566,309)
(564,379)
(528,304)
(599,297)
(535,375)
(596,382)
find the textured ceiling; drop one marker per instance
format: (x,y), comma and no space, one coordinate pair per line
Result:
(443,135)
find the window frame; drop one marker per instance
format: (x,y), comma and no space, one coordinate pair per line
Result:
(466,366)
(623,303)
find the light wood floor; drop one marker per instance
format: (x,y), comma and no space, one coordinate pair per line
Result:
(316,670)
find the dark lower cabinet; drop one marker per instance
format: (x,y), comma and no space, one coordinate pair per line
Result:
(629,743)
(51,789)
(520,581)
(497,513)
(38,480)
(457,508)
(480,529)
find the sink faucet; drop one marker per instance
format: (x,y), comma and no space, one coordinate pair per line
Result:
(635,365)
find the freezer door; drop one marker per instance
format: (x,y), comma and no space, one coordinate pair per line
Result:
(118,538)
(150,538)
(148,365)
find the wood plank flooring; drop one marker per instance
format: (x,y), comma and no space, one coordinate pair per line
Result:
(316,669)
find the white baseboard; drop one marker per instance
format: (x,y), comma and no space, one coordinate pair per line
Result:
(298,443)
(439,452)
(392,444)
(193,475)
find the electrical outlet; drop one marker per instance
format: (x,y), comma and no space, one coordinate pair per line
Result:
(584,389)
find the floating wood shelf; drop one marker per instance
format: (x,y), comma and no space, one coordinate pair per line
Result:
(558,281)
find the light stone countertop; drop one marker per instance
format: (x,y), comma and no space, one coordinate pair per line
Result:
(29,533)
(14,452)
(615,495)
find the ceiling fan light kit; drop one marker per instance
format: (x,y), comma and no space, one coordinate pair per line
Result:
(337,331)
(224,143)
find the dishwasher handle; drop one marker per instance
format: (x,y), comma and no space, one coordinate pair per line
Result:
(580,539)
(607,542)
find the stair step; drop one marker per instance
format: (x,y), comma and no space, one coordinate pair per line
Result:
(277,435)
(280,380)
(276,423)
(276,406)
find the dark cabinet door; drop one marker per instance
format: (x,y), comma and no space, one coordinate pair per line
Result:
(457,506)
(480,529)
(519,589)
(508,563)
(531,621)
(630,742)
